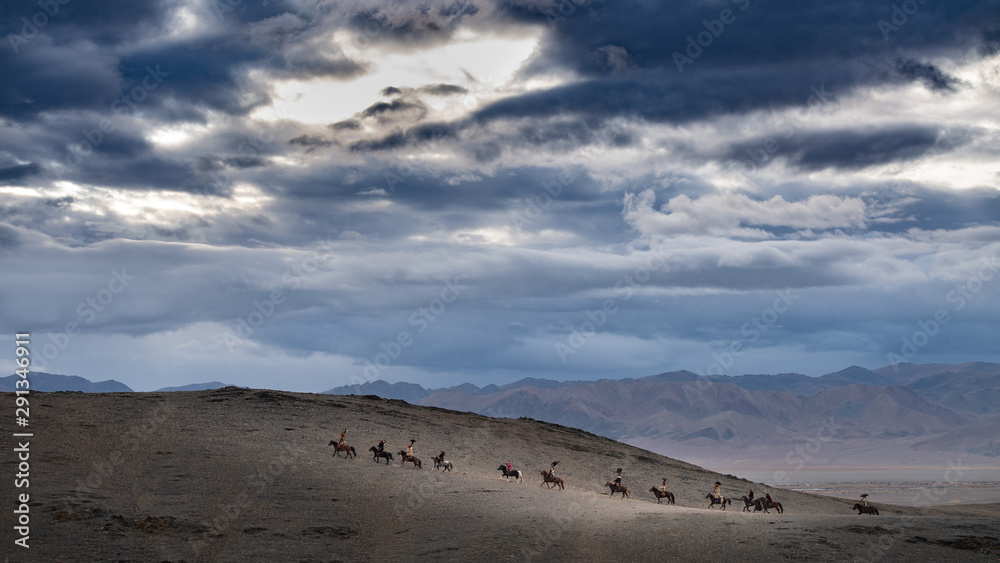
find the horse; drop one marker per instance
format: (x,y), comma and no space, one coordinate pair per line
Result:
(762,504)
(663,494)
(377,454)
(723,501)
(747,502)
(865,509)
(625,491)
(441,462)
(349,450)
(409,458)
(551,480)
(515,473)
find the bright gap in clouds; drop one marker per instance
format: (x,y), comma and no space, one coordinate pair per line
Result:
(492,61)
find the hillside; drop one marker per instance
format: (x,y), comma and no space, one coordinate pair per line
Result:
(245,475)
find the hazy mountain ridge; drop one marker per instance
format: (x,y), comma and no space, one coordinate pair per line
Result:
(946,408)
(51,382)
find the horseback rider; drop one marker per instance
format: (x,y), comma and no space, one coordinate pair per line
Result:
(343,437)
(767,497)
(409,449)
(440,457)
(381,446)
(552,470)
(864,499)
(750,495)
(510,468)
(716,493)
(663,487)
(618,479)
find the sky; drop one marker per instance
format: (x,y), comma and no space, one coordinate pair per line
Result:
(301,194)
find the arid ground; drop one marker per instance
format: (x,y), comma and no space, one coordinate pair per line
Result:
(247,475)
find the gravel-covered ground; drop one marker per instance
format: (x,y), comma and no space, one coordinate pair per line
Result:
(247,475)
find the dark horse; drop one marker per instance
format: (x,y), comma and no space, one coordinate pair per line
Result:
(409,458)
(762,504)
(349,450)
(551,480)
(625,491)
(865,509)
(377,454)
(723,501)
(662,494)
(747,502)
(515,473)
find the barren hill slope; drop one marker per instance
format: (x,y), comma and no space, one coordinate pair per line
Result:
(247,475)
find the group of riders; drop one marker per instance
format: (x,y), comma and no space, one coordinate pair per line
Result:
(716,493)
(381,447)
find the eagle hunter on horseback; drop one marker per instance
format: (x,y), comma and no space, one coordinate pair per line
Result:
(342,446)
(716,497)
(616,486)
(549,477)
(407,456)
(662,493)
(378,452)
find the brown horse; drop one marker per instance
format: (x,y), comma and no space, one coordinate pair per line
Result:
(723,501)
(409,458)
(551,480)
(625,491)
(865,509)
(349,450)
(662,494)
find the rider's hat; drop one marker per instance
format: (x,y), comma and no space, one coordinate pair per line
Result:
(718,483)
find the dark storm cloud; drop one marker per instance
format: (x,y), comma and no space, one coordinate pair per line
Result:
(929,74)
(14,173)
(403,24)
(768,56)
(443,89)
(432,89)
(388,110)
(847,149)
(310,142)
(106,23)
(346,125)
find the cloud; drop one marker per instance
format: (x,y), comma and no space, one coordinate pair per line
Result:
(733,214)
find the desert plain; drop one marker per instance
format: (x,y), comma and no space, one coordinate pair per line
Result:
(242,475)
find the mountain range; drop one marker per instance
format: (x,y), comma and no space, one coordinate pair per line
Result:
(901,414)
